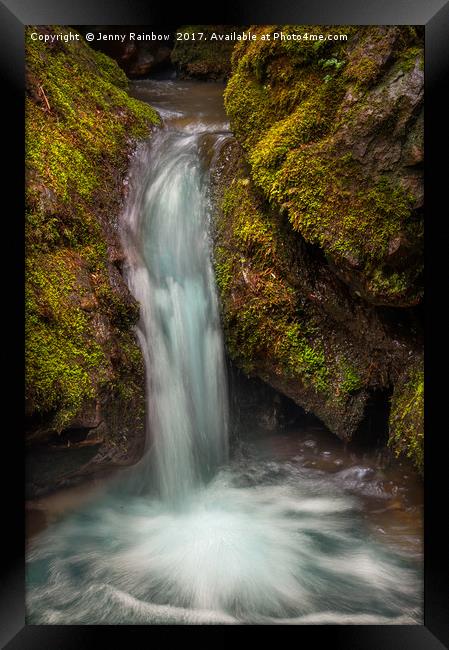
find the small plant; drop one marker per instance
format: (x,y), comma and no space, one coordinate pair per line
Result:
(332,63)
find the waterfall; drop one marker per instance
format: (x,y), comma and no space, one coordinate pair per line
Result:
(172,278)
(294,535)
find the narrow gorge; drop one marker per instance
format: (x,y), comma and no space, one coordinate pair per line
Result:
(224,355)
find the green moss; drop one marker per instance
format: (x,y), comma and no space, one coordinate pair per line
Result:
(391,283)
(247,105)
(80,127)
(109,69)
(365,70)
(57,159)
(410,58)
(351,380)
(324,211)
(266,320)
(204,57)
(302,359)
(83,117)
(250,326)
(307,123)
(223,268)
(378,47)
(269,322)
(270,79)
(407,417)
(64,362)
(309,190)
(286,103)
(318,190)
(77,130)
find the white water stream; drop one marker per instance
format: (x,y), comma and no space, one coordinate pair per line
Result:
(189,535)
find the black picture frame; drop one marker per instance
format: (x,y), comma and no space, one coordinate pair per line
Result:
(14,15)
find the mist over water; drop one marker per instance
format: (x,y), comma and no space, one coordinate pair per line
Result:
(190,535)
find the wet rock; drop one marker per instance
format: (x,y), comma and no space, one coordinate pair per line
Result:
(85,374)
(137,58)
(206,58)
(307,322)
(334,139)
(147,61)
(88,303)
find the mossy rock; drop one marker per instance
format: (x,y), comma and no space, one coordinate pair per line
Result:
(81,127)
(200,55)
(286,318)
(332,134)
(407,415)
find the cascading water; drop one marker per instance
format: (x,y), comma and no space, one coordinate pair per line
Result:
(190,536)
(172,278)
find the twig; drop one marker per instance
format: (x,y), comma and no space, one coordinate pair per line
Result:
(45,98)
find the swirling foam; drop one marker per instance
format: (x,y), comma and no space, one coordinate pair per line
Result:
(265,553)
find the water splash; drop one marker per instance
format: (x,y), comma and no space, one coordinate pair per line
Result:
(288,548)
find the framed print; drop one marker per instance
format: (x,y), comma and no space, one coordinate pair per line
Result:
(217,247)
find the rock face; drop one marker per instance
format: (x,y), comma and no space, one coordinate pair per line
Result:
(148,60)
(407,411)
(318,242)
(334,137)
(138,58)
(84,369)
(256,408)
(204,58)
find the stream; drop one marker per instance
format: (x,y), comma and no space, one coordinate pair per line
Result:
(290,527)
